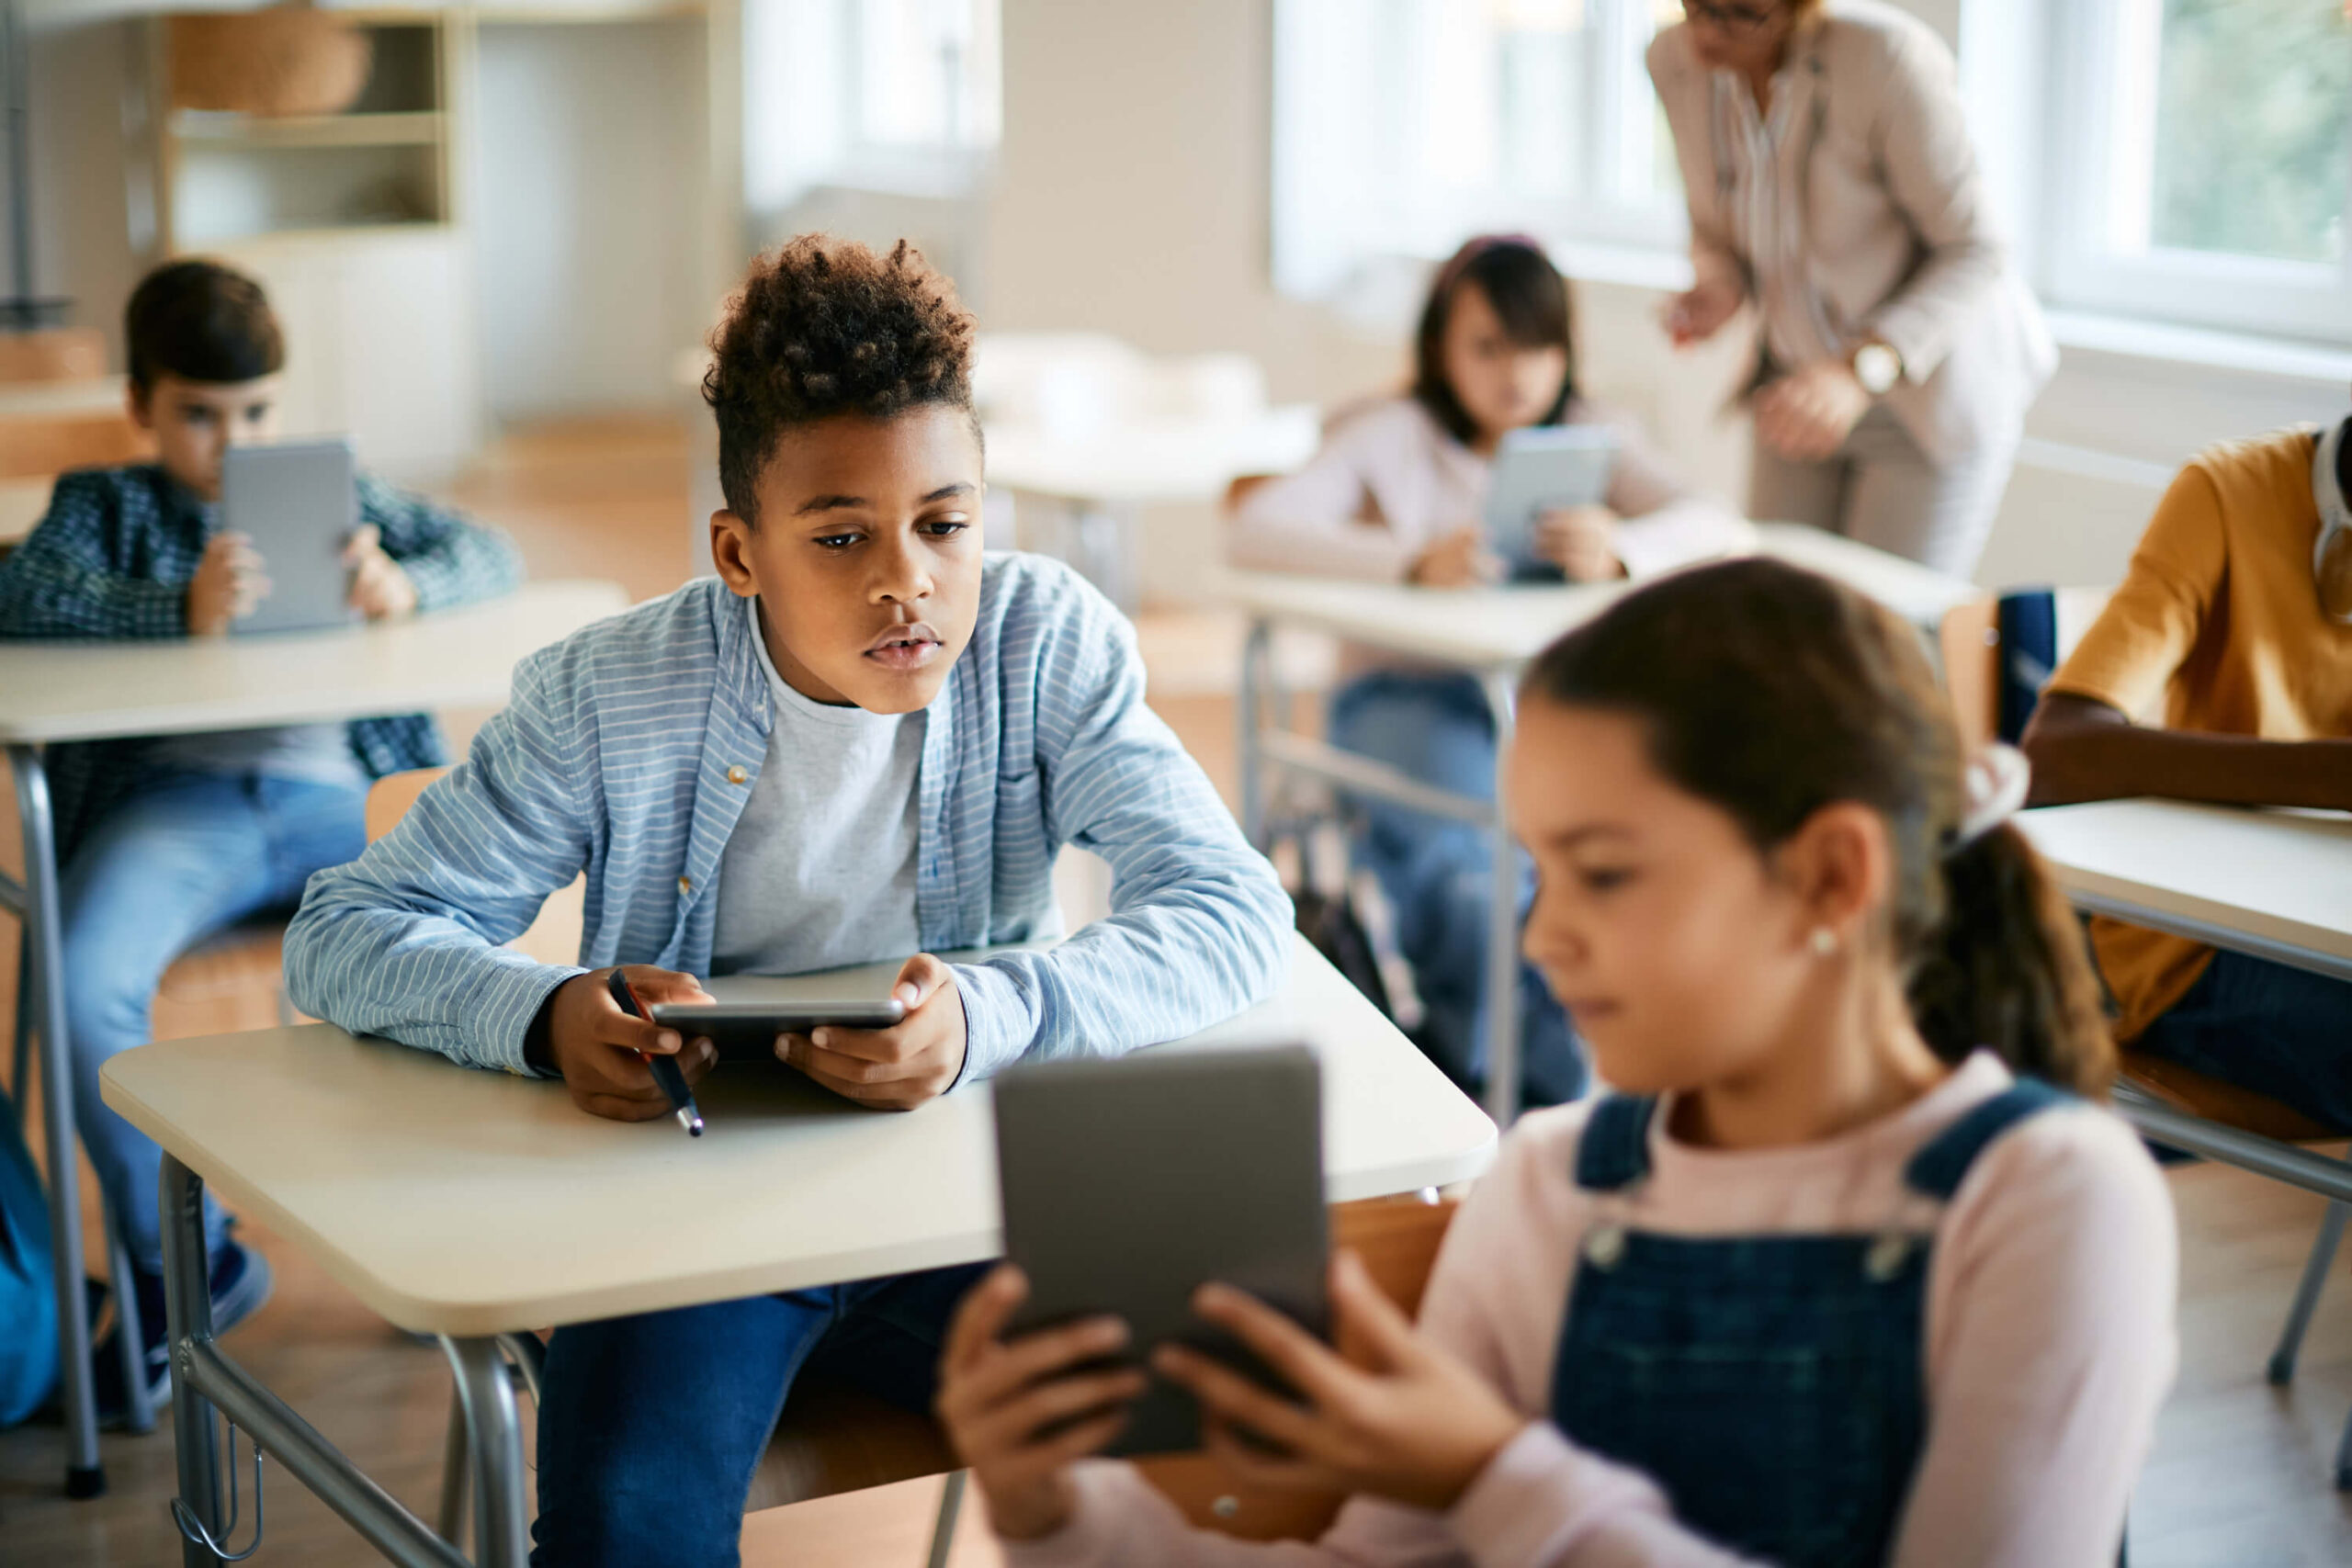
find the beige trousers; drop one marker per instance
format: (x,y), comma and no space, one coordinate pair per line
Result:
(1880,490)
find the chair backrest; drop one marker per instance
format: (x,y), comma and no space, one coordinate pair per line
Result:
(553,937)
(1969,639)
(1397,1239)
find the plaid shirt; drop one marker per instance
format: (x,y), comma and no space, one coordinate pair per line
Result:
(113,558)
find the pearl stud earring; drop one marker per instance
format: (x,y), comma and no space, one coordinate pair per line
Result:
(1825,941)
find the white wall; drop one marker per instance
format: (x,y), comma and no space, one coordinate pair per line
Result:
(83,241)
(585,205)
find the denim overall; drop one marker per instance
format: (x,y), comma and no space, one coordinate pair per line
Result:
(1773,1385)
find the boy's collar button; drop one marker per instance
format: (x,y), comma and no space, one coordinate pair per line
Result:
(736,775)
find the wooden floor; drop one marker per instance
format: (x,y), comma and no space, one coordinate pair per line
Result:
(2239,1475)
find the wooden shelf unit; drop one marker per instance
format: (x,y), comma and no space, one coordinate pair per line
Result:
(225,178)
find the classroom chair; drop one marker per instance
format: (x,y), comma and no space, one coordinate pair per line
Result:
(1991,676)
(835,1439)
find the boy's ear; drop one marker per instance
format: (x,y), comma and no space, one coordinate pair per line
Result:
(135,403)
(730,547)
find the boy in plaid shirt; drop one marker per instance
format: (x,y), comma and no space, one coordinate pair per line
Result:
(166,840)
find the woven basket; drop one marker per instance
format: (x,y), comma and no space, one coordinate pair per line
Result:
(288,60)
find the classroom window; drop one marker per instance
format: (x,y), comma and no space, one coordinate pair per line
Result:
(899,96)
(2206,163)
(1401,127)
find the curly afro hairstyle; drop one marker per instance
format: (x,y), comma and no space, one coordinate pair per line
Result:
(827,327)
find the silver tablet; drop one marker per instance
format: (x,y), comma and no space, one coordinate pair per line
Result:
(1127,1184)
(746,1031)
(298,502)
(1537,470)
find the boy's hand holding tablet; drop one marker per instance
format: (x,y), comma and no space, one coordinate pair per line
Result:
(230,583)
(380,590)
(896,1068)
(599,1048)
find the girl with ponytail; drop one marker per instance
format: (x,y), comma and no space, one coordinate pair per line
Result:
(1847,1267)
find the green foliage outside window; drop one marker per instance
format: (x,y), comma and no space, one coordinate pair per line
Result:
(2254,129)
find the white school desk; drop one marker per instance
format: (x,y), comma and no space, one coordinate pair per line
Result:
(1491,634)
(2273,884)
(468,1203)
(1104,479)
(55,692)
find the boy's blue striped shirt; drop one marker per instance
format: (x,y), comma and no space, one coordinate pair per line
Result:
(629,749)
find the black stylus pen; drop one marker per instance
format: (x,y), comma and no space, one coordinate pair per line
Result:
(665,1068)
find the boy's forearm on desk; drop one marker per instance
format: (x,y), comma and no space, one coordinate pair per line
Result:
(2076,759)
(379,971)
(1157,970)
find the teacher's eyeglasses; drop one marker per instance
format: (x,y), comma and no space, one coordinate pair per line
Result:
(1729,19)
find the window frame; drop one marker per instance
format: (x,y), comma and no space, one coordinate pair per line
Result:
(819,135)
(2082,262)
(1323,239)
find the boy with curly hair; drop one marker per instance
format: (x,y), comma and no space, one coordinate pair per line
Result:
(864,739)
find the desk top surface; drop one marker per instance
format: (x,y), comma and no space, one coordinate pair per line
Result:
(472,1202)
(2281,876)
(1504,627)
(94,690)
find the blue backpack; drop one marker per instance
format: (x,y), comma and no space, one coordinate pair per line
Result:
(27,1280)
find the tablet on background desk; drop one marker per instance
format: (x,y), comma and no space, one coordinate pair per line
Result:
(1127,1184)
(1539,469)
(298,502)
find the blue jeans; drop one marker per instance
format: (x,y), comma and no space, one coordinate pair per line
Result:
(2277,1030)
(185,856)
(1437,874)
(652,1425)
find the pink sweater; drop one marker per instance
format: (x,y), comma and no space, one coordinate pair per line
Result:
(2050,1346)
(1389,482)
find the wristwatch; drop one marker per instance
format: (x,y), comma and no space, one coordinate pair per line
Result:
(1878,367)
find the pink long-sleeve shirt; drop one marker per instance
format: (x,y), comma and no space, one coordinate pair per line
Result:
(2050,1345)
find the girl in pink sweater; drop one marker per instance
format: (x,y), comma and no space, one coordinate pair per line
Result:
(1396,495)
(1847,1269)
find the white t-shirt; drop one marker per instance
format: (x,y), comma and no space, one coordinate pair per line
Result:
(820,869)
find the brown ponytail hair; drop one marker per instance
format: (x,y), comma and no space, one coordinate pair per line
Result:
(1770,693)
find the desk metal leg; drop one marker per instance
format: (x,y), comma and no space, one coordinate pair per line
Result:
(187,1312)
(1502,926)
(494,1434)
(85,1476)
(1251,743)
(205,1381)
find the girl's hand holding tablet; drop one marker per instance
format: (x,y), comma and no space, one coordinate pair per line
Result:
(1459,559)
(1399,1418)
(1581,541)
(1021,1414)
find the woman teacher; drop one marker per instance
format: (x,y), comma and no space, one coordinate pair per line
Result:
(1833,186)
